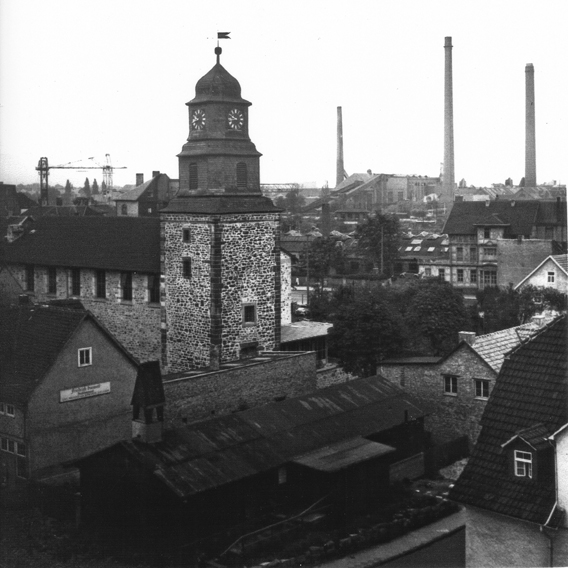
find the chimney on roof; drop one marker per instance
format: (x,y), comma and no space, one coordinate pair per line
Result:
(530,136)
(538,320)
(139,179)
(340,172)
(467,336)
(448,173)
(155,173)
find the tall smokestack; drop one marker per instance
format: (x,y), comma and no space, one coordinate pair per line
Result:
(340,174)
(530,135)
(448,175)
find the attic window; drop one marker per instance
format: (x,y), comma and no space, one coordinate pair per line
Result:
(431,249)
(417,249)
(523,464)
(408,249)
(550,277)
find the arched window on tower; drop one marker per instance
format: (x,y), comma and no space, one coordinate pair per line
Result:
(242,181)
(193,176)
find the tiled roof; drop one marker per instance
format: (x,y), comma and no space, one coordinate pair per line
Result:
(493,347)
(208,454)
(535,436)
(221,204)
(134,194)
(303,330)
(530,390)
(63,211)
(112,243)
(465,215)
(30,342)
(562,261)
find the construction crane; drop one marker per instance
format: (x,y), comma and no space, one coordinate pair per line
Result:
(43,168)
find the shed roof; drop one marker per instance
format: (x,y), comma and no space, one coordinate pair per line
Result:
(531,390)
(303,330)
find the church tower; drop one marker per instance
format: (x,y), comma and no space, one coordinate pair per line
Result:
(220,239)
(219,154)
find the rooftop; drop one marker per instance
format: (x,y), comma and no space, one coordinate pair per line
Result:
(303,330)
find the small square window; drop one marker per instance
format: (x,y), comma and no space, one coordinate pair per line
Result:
(481,388)
(523,464)
(473,276)
(186,233)
(487,233)
(4,444)
(12,446)
(450,384)
(427,272)
(10,410)
(550,277)
(459,254)
(186,267)
(460,274)
(441,273)
(249,314)
(85,356)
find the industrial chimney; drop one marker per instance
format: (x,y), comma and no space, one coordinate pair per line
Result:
(530,135)
(340,175)
(448,173)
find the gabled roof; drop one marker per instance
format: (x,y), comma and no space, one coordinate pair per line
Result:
(535,436)
(136,193)
(111,243)
(561,260)
(222,450)
(465,215)
(493,347)
(31,339)
(530,392)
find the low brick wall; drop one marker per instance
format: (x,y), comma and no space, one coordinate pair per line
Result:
(222,392)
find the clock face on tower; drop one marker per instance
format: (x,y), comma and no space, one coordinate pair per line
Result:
(236,119)
(198,119)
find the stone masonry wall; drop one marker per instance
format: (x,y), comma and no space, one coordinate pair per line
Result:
(136,323)
(286,288)
(222,392)
(245,273)
(452,415)
(187,300)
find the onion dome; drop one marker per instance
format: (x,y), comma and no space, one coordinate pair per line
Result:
(217,85)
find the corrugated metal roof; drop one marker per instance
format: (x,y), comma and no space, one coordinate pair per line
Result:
(207,454)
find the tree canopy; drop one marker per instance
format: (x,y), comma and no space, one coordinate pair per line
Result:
(379,239)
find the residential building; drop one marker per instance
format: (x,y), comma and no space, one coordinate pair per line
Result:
(552,272)
(66,387)
(514,485)
(425,254)
(478,231)
(457,387)
(147,198)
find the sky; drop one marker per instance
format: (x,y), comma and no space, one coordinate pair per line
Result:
(80,79)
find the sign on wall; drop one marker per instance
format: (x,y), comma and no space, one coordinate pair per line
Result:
(83,392)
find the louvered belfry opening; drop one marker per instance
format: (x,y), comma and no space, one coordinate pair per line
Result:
(193,179)
(242,175)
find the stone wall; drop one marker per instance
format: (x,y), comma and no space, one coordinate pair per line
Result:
(235,260)
(229,390)
(452,415)
(286,288)
(332,375)
(136,323)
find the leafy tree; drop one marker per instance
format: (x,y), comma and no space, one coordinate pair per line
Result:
(322,253)
(379,239)
(435,315)
(497,309)
(87,188)
(533,300)
(104,187)
(365,331)
(95,188)
(522,182)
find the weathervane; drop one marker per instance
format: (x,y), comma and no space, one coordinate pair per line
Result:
(218,50)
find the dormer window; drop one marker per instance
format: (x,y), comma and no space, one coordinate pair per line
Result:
(523,464)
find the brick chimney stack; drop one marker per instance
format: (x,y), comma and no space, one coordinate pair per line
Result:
(340,174)
(448,174)
(530,135)
(139,179)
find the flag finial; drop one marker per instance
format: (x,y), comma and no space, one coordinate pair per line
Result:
(218,50)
